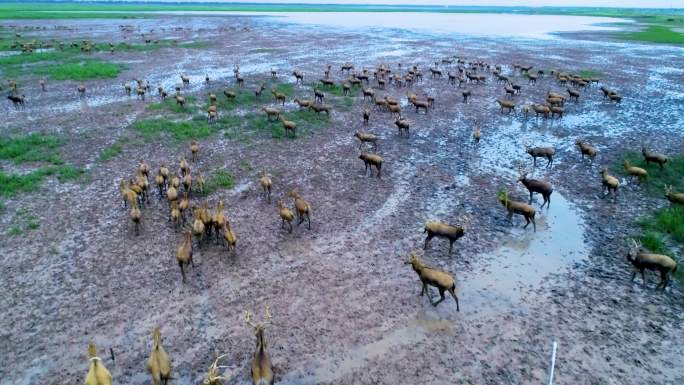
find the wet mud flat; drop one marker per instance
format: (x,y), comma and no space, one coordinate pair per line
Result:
(346,308)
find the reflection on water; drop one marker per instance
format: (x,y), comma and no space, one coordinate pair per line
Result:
(526,257)
(479,24)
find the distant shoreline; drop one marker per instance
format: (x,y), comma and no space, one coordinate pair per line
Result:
(39,10)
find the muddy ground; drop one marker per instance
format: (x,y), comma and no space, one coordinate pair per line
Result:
(345,307)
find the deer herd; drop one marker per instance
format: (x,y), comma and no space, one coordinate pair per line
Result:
(200,224)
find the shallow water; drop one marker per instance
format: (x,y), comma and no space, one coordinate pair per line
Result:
(535,26)
(526,257)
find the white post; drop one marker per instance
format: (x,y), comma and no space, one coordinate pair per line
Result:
(553,362)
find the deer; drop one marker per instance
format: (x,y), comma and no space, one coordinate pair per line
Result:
(184,252)
(506,105)
(265,182)
(514,207)
(443,230)
(642,260)
(271,113)
(278,96)
(586,149)
(649,157)
(673,197)
(536,186)
(609,182)
(442,280)
(541,152)
(261,367)
(303,209)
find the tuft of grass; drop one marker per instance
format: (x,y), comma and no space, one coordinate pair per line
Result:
(14,230)
(88,69)
(655,34)
(220,180)
(654,242)
(111,151)
(242,98)
(671,174)
(31,148)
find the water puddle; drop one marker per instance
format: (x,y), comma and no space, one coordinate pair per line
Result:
(526,257)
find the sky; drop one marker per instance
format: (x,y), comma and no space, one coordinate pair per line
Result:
(534,3)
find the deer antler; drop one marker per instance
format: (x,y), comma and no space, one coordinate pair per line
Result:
(248,319)
(267,316)
(212,375)
(466,218)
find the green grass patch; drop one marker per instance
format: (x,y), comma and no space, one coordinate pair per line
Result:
(220,180)
(654,34)
(111,151)
(13,184)
(243,98)
(196,128)
(31,148)
(671,174)
(668,222)
(84,70)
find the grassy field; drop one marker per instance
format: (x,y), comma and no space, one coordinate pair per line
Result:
(654,34)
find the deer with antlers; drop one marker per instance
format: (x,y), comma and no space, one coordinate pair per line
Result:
(262,368)
(642,260)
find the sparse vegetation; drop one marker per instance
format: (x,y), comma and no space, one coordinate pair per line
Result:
(12,184)
(111,151)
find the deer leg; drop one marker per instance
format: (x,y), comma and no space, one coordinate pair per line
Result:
(441,293)
(423,289)
(527,222)
(427,240)
(182,270)
(643,276)
(453,294)
(308,219)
